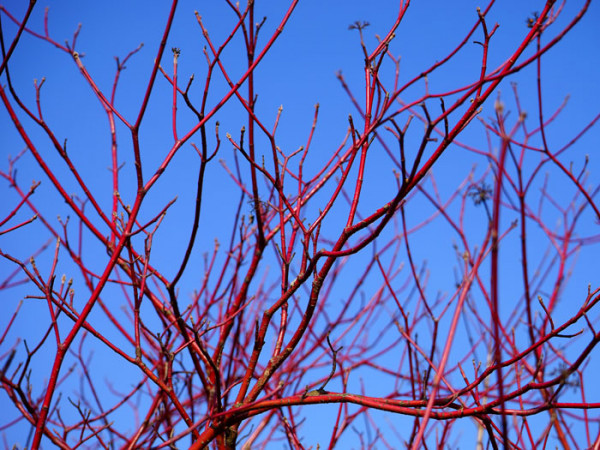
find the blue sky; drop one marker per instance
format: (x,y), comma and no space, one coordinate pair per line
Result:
(298,72)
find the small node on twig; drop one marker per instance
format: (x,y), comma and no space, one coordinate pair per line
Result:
(358,25)
(499,105)
(480,193)
(532,19)
(39,86)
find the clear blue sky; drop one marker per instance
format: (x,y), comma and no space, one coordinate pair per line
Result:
(299,72)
